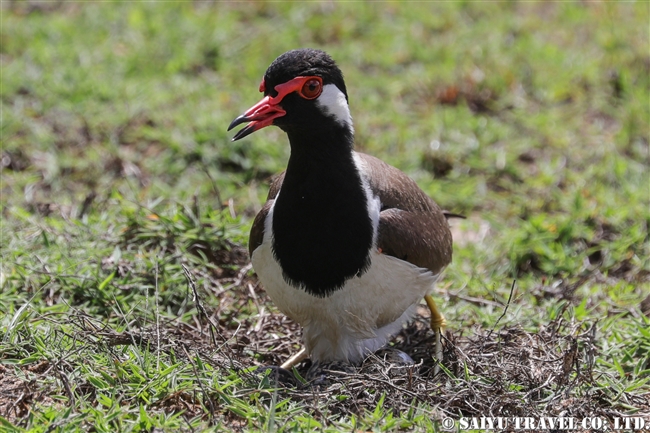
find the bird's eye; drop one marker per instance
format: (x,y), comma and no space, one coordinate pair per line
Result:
(312,88)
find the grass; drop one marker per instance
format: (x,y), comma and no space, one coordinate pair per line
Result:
(117,172)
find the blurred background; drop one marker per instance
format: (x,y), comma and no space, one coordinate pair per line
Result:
(530,118)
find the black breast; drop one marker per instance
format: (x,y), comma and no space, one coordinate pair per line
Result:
(322,233)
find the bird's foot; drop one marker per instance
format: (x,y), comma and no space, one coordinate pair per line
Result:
(321,374)
(438,324)
(438,321)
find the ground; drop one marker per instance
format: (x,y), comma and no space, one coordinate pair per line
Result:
(127,299)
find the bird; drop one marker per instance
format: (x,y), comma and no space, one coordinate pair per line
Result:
(345,245)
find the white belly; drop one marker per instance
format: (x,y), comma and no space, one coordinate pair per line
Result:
(355,320)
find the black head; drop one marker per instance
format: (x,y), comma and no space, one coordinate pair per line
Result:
(303,62)
(303,90)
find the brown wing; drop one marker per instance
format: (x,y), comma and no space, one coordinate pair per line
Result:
(257,230)
(412,227)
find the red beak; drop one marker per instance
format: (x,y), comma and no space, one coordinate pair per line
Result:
(259,115)
(264,112)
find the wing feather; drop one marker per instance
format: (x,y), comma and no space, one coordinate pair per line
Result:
(412,227)
(257,229)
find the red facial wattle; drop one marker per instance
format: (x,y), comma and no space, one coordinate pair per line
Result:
(268,109)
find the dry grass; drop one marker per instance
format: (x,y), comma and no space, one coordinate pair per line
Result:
(505,371)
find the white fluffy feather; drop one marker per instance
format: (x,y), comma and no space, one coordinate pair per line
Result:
(333,103)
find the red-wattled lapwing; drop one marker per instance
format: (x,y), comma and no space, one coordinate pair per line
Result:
(346,245)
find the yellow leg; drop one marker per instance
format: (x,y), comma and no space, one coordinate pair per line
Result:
(295,359)
(438,324)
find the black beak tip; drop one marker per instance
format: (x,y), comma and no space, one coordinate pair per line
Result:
(245,131)
(238,121)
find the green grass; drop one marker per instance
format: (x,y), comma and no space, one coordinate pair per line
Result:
(529,118)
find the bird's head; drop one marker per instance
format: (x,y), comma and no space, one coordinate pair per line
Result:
(303,90)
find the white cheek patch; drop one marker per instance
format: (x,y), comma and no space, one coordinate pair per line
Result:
(333,103)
